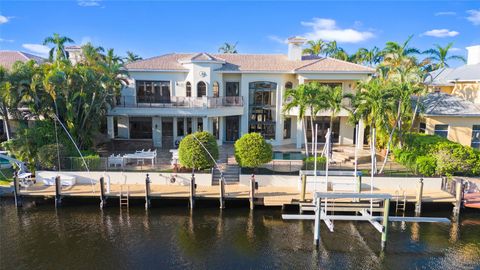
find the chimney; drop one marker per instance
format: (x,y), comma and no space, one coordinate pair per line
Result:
(295,48)
(473,55)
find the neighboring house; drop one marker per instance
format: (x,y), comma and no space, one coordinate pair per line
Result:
(452,108)
(7,60)
(228,95)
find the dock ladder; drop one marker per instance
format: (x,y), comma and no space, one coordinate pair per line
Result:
(400,201)
(124,197)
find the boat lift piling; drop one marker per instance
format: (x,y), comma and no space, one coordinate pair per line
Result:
(16,191)
(222,191)
(193,186)
(458,197)
(418,201)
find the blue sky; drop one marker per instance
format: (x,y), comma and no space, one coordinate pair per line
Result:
(151,28)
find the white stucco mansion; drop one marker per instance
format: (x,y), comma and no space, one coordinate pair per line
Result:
(228,95)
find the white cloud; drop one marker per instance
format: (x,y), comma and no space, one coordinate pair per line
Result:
(441,33)
(88,3)
(3,19)
(445,13)
(327,29)
(277,39)
(39,49)
(474,16)
(6,40)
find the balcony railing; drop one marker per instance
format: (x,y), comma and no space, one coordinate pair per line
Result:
(182,102)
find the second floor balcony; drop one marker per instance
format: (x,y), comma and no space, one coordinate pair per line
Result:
(179,102)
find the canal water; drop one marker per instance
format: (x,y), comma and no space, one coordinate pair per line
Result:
(171,237)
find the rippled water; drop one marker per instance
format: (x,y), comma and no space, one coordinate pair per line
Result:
(84,237)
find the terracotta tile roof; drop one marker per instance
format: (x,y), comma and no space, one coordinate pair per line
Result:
(8,58)
(251,62)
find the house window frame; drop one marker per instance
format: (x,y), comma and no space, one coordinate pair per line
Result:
(441,132)
(475,134)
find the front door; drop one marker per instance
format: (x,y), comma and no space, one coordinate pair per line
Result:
(167,133)
(232,128)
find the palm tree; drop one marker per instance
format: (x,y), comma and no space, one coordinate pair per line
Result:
(132,57)
(370,57)
(341,54)
(441,55)
(6,99)
(58,43)
(315,47)
(299,98)
(396,54)
(228,48)
(331,48)
(332,98)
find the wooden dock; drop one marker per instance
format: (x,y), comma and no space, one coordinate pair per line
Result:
(267,196)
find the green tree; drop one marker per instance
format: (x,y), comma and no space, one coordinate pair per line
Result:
(315,47)
(132,57)
(228,48)
(58,48)
(193,155)
(252,151)
(441,55)
(332,99)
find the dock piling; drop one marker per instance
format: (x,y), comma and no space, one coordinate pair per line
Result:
(252,191)
(418,204)
(103,198)
(16,191)
(458,196)
(192,191)
(222,191)
(304,187)
(386,210)
(58,191)
(318,212)
(147,191)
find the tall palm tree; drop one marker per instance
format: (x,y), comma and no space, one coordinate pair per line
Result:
(58,48)
(315,48)
(370,57)
(331,48)
(332,98)
(396,54)
(132,57)
(299,98)
(228,48)
(441,55)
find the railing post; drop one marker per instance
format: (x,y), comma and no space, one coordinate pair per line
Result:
(386,210)
(418,204)
(58,191)
(147,191)
(318,217)
(103,199)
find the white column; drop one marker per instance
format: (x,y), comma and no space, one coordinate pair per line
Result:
(221,130)
(299,131)
(110,127)
(206,125)
(194,124)
(175,130)
(361,134)
(185,126)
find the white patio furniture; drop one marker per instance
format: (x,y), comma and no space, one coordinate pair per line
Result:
(115,161)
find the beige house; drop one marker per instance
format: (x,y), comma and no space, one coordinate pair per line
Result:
(452,108)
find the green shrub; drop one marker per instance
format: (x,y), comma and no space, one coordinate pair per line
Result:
(93,161)
(251,150)
(309,163)
(191,154)
(426,165)
(47,156)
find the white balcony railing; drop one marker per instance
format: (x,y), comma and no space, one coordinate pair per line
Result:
(183,102)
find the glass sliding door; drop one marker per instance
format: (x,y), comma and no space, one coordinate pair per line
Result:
(262,98)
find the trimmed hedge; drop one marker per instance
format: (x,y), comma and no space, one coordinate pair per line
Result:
(252,151)
(433,155)
(309,163)
(192,154)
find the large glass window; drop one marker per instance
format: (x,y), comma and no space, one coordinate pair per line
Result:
(476,136)
(262,108)
(153,91)
(441,130)
(232,89)
(201,89)
(323,123)
(188,89)
(140,128)
(216,89)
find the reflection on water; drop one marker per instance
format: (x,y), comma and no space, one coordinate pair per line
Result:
(84,237)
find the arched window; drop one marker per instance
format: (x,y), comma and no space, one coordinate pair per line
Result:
(201,89)
(216,89)
(288,85)
(189,89)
